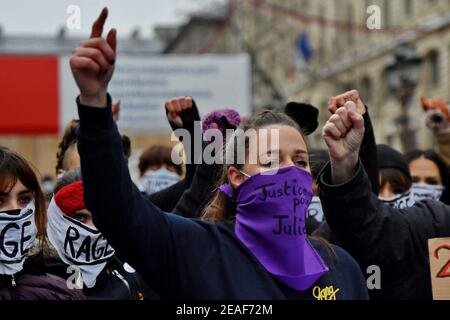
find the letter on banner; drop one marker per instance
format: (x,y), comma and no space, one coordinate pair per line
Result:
(439,252)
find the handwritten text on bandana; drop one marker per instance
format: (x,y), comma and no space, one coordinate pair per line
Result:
(78,244)
(17,234)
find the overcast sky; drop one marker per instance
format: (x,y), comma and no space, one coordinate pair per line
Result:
(47,16)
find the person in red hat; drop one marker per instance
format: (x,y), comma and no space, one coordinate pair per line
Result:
(83,254)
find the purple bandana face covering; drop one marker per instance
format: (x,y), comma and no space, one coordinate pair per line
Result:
(270,222)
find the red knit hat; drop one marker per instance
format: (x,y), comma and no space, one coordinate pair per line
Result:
(70,198)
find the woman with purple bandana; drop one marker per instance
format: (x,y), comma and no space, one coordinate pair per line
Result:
(251,242)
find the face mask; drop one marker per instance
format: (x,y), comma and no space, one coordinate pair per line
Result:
(418,192)
(78,244)
(270,222)
(315,209)
(399,201)
(154,181)
(17,234)
(422,191)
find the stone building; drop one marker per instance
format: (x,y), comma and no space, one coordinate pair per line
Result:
(346,53)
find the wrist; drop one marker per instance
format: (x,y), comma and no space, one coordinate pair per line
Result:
(343,169)
(97,101)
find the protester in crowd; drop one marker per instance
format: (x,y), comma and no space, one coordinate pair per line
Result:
(22,221)
(182,115)
(157,170)
(395,179)
(394,240)
(234,242)
(429,174)
(77,242)
(367,153)
(67,156)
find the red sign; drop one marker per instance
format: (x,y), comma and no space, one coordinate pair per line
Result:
(29,95)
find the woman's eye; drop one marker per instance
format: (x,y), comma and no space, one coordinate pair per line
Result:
(79,217)
(302,163)
(25,200)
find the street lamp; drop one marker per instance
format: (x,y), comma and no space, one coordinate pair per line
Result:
(402,76)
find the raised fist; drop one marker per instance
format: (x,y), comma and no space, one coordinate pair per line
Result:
(343,134)
(339,101)
(174,108)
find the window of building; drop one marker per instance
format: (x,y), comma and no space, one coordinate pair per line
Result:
(434,66)
(386,18)
(409,9)
(431,70)
(350,22)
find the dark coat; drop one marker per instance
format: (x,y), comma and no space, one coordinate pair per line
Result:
(395,240)
(33,283)
(113,283)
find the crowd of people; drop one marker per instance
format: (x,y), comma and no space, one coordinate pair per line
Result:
(294,224)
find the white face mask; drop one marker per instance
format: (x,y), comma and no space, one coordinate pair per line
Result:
(422,191)
(154,181)
(399,201)
(78,244)
(418,192)
(315,209)
(17,234)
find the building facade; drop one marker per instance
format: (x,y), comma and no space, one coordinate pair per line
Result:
(346,53)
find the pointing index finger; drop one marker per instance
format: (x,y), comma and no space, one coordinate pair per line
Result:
(97,27)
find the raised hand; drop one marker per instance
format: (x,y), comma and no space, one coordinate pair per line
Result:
(339,101)
(174,108)
(343,134)
(92,63)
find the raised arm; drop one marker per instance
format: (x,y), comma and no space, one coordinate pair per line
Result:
(139,231)
(371,231)
(368,149)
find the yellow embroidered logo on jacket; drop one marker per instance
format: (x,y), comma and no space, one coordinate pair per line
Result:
(327,293)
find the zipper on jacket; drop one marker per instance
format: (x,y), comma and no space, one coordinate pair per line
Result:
(118,275)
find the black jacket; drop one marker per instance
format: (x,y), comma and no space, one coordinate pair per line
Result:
(113,283)
(168,198)
(179,257)
(376,234)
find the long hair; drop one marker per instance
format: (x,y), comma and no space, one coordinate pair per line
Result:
(398,180)
(68,139)
(13,168)
(434,157)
